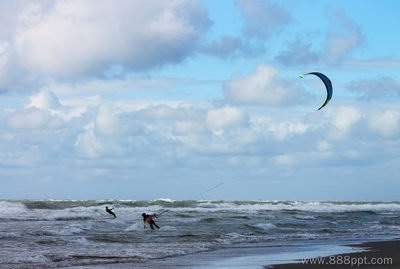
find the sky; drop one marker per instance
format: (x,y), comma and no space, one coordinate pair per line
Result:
(152,99)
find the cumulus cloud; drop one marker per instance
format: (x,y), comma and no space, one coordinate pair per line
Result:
(324,146)
(284,159)
(263,87)
(88,144)
(343,38)
(72,39)
(375,89)
(386,123)
(298,52)
(107,121)
(229,46)
(374,62)
(44,100)
(129,141)
(221,118)
(48,102)
(284,129)
(39,113)
(344,119)
(262,19)
(33,118)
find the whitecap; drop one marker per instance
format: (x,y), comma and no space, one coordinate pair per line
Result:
(134,227)
(168,200)
(265,226)
(168,228)
(12,209)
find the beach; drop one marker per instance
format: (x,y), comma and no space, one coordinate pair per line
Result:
(383,254)
(279,257)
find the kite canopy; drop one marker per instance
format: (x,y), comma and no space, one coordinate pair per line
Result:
(328,85)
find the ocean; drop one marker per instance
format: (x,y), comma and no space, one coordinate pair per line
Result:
(56,233)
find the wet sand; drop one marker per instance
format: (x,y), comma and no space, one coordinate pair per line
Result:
(386,253)
(238,257)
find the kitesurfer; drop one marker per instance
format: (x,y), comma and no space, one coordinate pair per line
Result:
(109,211)
(149,219)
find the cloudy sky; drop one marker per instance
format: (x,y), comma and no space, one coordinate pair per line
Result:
(148,99)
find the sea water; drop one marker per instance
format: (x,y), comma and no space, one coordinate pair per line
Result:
(66,233)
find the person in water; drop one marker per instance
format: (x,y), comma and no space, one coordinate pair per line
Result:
(149,219)
(109,211)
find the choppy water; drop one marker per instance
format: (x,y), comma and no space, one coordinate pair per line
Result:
(63,233)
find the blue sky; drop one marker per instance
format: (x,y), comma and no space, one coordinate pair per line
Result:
(151,99)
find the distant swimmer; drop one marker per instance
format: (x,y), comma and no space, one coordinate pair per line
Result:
(149,219)
(109,211)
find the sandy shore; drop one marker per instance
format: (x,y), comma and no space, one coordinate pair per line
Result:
(261,256)
(378,255)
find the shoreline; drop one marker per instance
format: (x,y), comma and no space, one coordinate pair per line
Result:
(270,257)
(376,255)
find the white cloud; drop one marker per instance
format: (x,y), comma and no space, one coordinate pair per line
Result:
(88,144)
(283,129)
(263,87)
(33,118)
(107,122)
(376,89)
(298,52)
(343,38)
(344,119)
(130,139)
(386,123)
(221,118)
(47,102)
(44,100)
(229,46)
(263,18)
(324,146)
(284,159)
(72,39)
(375,62)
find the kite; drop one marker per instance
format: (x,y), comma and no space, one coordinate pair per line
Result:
(328,86)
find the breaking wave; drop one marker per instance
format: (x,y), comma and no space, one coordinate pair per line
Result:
(207,205)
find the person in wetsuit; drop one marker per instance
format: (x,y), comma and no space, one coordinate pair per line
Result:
(149,219)
(109,211)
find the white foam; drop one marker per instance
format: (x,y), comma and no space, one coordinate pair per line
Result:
(71,213)
(306,235)
(300,206)
(168,228)
(394,227)
(82,241)
(12,209)
(134,227)
(168,200)
(188,220)
(305,217)
(9,235)
(232,238)
(266,226)
(71,230)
